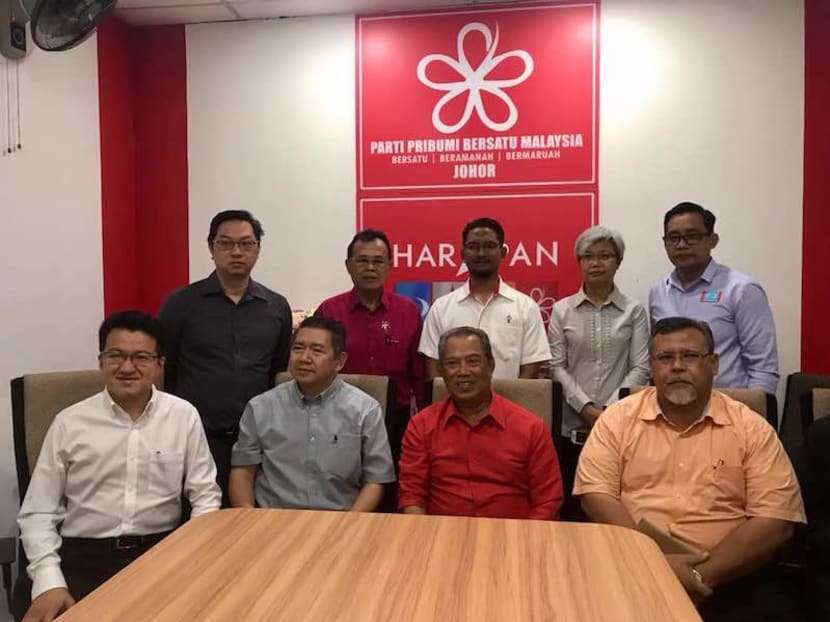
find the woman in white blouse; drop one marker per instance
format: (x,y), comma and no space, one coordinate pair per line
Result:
(598,336)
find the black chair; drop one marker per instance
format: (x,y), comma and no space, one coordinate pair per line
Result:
(791,430)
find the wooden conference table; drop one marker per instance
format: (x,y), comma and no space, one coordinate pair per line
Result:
(239,565)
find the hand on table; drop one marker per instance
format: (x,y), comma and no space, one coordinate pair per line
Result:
(49,605)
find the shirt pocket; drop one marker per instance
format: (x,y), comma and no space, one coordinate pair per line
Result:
(341,458)
(727,487)
(507,342)
(166,472)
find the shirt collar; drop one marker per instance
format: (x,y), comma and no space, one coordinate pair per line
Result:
(355,302)
(213,286)
(113,408)
(652,411)
(494,412)
(615,298)
(707,276)
(502,289)
(327,395)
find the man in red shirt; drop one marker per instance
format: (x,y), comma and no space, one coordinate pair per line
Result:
(382,329)
(476,453)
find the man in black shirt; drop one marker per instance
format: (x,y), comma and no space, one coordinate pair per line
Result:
(228,336)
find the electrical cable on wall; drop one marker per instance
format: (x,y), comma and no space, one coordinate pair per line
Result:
(17,90)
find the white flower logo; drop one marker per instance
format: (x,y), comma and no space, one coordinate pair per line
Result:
(475,81)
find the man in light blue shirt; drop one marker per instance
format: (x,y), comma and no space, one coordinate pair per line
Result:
(733,304)
(314,442)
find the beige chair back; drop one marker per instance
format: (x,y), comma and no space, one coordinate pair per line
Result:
(42,397)
(376,386)
(821,403)
(756,399)
(532,394)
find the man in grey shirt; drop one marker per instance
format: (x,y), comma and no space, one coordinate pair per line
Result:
(315,442)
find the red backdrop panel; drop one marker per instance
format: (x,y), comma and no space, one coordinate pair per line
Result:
(143,123)
(815,296)
(495,97)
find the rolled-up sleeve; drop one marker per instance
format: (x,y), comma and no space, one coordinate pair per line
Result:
(378,467)
(247,450)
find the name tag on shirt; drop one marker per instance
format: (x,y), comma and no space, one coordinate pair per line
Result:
(711,296)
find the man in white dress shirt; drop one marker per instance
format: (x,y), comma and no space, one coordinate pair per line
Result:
(511,319)
(112,472)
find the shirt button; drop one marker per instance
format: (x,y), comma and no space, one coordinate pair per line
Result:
(312,437)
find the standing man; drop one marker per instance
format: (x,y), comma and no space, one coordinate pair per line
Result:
(382,328)
(476,453)
(733,304)
(704,469)
(314,442)
(112,472)
(511,319)
(228,335)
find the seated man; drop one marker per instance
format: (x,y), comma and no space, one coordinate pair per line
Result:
(475,453)
(112,471)
(315,442)
(703,468)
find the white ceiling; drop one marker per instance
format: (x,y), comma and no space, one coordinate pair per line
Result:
(155,12)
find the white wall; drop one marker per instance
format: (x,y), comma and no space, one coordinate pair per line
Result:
(271,128)
(50,200)
(701,100)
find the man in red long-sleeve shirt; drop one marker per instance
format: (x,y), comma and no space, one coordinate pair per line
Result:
(476,453)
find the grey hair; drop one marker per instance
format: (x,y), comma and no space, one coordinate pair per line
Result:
(466,331)
(595,234)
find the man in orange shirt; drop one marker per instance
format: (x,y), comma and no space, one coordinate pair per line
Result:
(702,467)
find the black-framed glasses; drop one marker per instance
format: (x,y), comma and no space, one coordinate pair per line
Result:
(116,358)
(688,357)
(226,245)
(691,239)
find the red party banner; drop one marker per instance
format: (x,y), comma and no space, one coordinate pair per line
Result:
(425,232)
(478,98)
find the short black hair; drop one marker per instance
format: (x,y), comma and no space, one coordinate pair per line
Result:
(335,328)
(670,325)
(483,223)
(369,235)
(135,321)
(234,214)
(687,207)
(466,331)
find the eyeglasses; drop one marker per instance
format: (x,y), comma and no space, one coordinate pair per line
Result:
(116,358)
(692,238)
(226,246)
(374,262)
(477,247)
(689,358)
(602,257)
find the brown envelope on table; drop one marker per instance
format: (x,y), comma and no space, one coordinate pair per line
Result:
(668,544)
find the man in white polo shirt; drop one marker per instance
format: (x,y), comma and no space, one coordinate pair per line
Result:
(510,318)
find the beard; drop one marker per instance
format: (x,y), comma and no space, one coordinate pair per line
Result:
(680,394)
(482,272)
